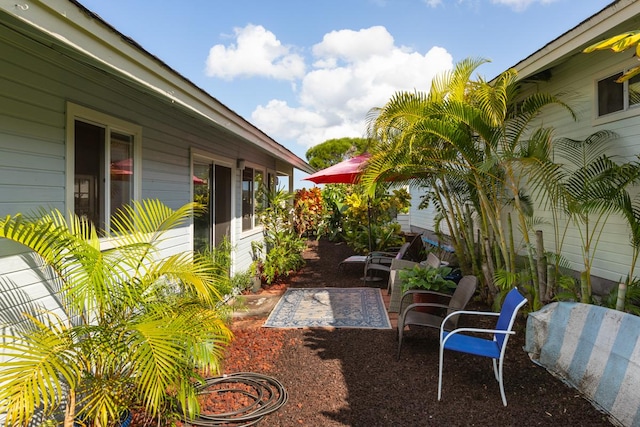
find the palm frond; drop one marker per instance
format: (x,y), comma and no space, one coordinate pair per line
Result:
(37,370)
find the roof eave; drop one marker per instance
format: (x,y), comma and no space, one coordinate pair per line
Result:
(72,25)
(576,39)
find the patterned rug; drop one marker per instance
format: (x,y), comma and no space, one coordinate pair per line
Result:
(330,307)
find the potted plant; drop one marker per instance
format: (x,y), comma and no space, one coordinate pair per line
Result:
(427,278)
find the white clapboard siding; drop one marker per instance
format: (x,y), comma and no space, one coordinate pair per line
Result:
(423,219)
(574,81)
(37,83)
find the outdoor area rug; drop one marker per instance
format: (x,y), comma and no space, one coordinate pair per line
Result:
(330,307)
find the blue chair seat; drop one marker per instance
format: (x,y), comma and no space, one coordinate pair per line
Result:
(472,345)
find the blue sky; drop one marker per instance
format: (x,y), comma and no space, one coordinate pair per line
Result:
(305,71)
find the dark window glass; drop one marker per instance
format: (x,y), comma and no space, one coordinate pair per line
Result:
(610,95)
(99,193)
(634,91)
(247,199)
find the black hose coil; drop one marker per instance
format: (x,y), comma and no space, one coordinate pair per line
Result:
(267,395)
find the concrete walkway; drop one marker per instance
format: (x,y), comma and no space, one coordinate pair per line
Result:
(257,305)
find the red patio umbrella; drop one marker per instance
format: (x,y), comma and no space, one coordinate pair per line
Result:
(345,172)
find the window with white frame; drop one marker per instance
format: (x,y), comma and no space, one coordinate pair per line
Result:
(614,97)
(251,181)
(103,159)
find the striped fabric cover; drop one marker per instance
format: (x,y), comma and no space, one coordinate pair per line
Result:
(594,349)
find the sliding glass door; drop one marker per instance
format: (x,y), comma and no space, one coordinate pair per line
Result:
(212,188)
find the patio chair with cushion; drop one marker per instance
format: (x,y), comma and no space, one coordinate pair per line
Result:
(411,251)
(381,260)
(416,246)
(494,347)
(377,262)
(411,313)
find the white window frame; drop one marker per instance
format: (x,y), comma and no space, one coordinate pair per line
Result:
(255,226)
(202,156)
(626,111)
(109,123)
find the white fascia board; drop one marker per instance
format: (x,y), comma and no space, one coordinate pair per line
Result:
(575,40)
(78,29)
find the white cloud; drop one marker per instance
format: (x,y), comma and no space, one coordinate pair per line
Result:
(517,5)
(353,72)
(257,52)
(520,5)
(351,46)
(302,125)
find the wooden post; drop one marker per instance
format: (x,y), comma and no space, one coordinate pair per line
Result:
(541,265)
(551,282)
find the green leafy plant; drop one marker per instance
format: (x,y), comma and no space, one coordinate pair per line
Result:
(308,210)
(629,301)
(428,278)
(283,245)
(132,327)
(284,257)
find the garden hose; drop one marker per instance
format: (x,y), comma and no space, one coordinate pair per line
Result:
(266,394)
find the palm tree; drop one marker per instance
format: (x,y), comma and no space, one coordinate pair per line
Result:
(590,187)
(132,325)
(409,148)
(481,132)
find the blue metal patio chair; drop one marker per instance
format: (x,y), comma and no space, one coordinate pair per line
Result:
(493,348)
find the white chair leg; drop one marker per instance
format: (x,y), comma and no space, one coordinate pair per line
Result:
(440,372)
(504,399)
(495,370)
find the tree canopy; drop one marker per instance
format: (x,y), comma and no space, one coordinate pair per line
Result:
(334,151)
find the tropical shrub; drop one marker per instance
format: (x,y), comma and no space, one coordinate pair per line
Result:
(283,245)
(333,197)
(481,148)
(308,210)
(368,222)
(133,327)
(284,257)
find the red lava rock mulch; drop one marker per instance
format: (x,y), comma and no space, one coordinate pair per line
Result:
(350,377)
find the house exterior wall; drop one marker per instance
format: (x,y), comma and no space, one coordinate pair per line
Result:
(37,83)
(574,80)
(422,219)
